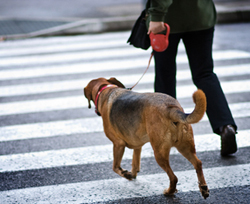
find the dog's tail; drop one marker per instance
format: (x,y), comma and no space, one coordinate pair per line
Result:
(199,98)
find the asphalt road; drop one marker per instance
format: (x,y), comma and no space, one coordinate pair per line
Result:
(53,149)
(66,9)
(46,9)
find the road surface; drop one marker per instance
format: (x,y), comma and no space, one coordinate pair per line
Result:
(53,149)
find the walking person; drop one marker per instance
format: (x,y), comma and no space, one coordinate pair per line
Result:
(192,22)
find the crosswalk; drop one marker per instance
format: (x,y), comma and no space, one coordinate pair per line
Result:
(52,147)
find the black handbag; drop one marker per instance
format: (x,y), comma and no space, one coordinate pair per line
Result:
(139,37)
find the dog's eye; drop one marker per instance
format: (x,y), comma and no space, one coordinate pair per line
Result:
(175,123)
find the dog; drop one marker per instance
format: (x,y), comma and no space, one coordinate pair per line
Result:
(132,119)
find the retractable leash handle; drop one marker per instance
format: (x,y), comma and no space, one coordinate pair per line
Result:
(159,42)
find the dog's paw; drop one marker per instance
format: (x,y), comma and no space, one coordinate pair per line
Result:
(204,191)
(169,192)
(128,175)
(125,173)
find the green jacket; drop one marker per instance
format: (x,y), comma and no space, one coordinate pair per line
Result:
(182,15)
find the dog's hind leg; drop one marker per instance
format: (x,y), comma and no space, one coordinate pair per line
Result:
(118,151)
(189,153)
(162,158)
(136,162)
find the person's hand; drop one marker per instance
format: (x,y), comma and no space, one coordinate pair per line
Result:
(156,27)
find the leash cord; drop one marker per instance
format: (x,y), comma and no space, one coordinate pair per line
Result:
(152,54)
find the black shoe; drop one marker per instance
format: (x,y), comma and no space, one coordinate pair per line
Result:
(228,140)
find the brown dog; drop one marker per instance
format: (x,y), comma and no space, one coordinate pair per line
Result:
(132,119)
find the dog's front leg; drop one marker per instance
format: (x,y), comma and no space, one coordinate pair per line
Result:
(118,151)
(136,162)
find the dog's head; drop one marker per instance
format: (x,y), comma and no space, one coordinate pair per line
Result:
(91,90)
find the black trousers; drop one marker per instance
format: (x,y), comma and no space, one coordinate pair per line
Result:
(198,45)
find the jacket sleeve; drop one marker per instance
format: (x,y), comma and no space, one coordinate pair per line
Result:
(157,9)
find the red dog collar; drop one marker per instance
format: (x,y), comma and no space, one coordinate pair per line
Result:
(98,94)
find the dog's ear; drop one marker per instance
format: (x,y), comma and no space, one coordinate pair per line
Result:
(116,82)
(88,95)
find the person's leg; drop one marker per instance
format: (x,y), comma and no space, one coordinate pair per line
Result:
(199,50)
(165,67)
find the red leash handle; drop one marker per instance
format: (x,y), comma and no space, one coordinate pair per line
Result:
(159,42)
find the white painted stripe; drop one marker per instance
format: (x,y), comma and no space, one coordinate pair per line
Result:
(81,68)
(91,154)
(66,47)
(76,68)
(80,126)
(66,40)
(78,101)
(36,106)
(72,56)
(233,70)
(120,188)
(238,110)
(63,103)
(228,88)
(103,54)
(49,87)
(44,41)
(50,129)
(77,45)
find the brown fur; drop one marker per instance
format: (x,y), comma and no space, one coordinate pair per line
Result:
(132,119)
